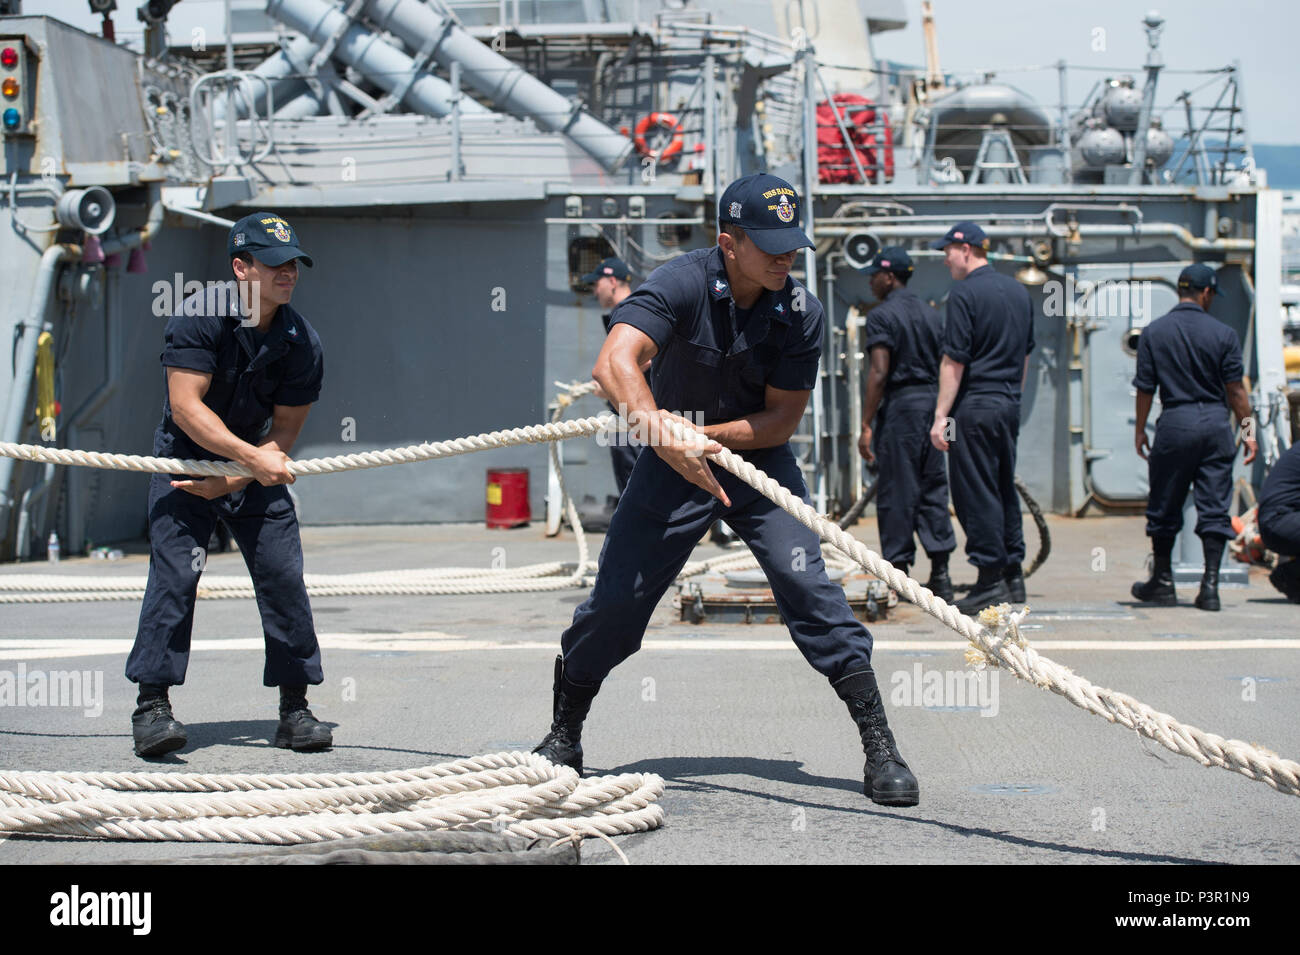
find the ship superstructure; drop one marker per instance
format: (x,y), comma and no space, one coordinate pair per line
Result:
(456,167)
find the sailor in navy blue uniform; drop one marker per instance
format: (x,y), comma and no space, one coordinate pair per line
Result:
(1279,520)
(735,343)
(903,335)
(609,283)
(988,335)
(242,369)
(1195,362)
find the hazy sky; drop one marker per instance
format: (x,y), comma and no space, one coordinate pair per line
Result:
(1198,34)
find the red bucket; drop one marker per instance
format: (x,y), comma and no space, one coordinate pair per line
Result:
(507,497)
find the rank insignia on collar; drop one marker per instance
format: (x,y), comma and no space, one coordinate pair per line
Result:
(780,308)
(719,285)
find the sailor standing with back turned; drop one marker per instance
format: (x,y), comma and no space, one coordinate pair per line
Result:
(987,339)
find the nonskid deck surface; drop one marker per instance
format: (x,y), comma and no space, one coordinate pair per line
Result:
(761,761)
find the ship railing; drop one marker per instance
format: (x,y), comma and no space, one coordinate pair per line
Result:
(232,151)
(1212,147)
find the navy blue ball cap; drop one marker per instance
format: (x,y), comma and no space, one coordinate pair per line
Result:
(767,208)
(616,268)
(1197,277)
(267,238)
(892,258)
(967,232)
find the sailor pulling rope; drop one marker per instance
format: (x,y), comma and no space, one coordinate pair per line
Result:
(995,638)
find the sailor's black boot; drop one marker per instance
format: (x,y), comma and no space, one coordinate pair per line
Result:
(155,730)
(989,589)
(1208,596)
(940,584)
(299,729)
(1014,575)
(1159,589)
(1286,578)
(885,777)
(569,707)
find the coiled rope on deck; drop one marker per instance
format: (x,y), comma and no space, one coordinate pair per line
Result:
(995,638)
(517,793)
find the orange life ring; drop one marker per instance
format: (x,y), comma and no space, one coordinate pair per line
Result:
(667,121)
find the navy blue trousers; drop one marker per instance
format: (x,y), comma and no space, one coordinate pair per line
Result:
(623,457)
(913,481)
(1193,448)
(982,463)
(660,519)
(264,523)
(1280,531)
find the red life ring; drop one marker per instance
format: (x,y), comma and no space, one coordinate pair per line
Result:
(666,121)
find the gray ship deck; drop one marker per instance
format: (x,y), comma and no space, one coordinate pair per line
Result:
(761,762)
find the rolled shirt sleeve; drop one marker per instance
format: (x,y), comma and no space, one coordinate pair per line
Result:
(880,330)
(653,309)
(1231,365)
(957,327)
(1145,379)
(192,342)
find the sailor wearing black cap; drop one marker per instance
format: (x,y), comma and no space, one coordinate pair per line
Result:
(988,335)
(242,369)
(609,283)
(736,343)
(1195,362)
(1279,520)
(903,335)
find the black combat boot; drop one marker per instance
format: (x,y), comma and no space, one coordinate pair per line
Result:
(1208,596)
(886,778)
(299,729)
(989,589)
(1286,578)
(156,731)
(1159,589)
(563,744)
(940,584)
(1014,575)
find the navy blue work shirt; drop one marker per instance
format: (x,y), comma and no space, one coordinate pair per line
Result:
(1280,495)
(912,332)
(1189,355)
(713,364)
(248,380)
(990,330)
